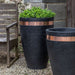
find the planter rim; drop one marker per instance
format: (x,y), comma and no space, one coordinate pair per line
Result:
(37,19)
(61,31)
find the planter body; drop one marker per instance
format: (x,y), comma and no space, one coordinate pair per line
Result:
(33,37)
(61,50)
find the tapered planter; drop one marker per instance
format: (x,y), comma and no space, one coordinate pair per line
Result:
(61,50)
(33,37)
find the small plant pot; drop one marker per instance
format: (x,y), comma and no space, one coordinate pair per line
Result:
(61,50)
(33,37)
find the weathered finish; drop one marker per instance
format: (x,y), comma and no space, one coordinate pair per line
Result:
(9,30)
(45,1)
(11,25)
(59,9)
(7,17)
(6,21)
(54,1)
(32,1)
(7,6)
(42,5)
(3,30)
(59,24)
(7,12)
(4,35)
(70,13)
(73,13)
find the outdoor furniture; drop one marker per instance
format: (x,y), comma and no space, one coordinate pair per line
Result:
(70,13)
(9,30)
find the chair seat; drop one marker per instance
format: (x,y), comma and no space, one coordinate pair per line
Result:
(5,39)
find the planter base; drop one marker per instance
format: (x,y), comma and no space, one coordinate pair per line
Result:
(37,66)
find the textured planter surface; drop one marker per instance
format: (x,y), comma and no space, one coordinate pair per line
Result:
(34,41)
(61,50)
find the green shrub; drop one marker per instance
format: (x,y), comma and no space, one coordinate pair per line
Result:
(37,12)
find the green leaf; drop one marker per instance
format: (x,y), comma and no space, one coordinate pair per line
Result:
(37,12)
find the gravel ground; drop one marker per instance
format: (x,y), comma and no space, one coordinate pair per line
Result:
(20,68)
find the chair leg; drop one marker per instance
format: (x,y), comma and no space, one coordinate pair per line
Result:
(12,62)
(8,56)
(16,57)
(16,51)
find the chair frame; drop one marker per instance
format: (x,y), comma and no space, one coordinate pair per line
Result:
(8,45)
(8,27)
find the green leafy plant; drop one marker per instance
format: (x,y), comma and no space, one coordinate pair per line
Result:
(37,12)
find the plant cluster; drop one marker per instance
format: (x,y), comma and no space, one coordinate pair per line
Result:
(37,12)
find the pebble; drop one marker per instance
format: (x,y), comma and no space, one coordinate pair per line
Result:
(20,68)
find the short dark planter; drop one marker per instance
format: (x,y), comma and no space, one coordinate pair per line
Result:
(61,50)
(33,37)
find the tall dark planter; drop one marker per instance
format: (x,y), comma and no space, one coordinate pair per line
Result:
(61,50)
(33,37)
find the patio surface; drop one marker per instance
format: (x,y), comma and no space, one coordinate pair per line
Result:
(20,68)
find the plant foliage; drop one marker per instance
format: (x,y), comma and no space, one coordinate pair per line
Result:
(37,12)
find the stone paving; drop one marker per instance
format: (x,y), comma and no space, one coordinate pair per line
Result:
(20,68)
